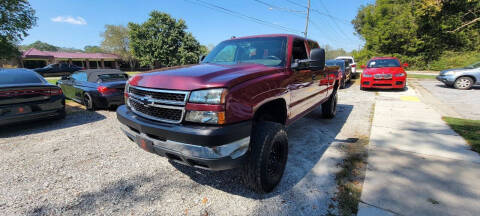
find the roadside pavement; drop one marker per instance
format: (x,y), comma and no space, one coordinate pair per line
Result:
(417,165)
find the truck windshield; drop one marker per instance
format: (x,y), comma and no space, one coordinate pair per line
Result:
(382,63)
(268,51)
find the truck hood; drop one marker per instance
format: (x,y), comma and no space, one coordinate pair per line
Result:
(201,76)
(389,70)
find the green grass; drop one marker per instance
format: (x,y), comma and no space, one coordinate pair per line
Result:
(450,60)
(468,129)
(53,81)
(421,76)
(131,73)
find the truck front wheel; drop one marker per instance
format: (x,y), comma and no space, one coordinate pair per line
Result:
(267,158)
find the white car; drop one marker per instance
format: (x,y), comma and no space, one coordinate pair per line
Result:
(351,62)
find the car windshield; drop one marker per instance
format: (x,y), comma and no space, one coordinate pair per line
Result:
(268,51)
(476,65)
(383,63)
(112,77)
(349,61)
(335,63)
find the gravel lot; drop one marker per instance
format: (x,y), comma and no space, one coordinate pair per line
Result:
(85,165)
(466,103)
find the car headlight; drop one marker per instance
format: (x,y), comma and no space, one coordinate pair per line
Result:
(367,75)
(400,75)
(209,96)
(205,117)
(449,73)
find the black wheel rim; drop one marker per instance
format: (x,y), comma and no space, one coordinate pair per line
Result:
(275,161)
(88,102)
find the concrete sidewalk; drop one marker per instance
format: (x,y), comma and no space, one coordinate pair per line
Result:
(417,165)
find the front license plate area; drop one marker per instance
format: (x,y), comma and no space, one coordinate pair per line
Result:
(145,144)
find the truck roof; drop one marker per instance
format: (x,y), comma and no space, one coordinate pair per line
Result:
(271,35)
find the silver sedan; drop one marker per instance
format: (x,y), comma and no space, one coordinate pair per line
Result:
(461,78)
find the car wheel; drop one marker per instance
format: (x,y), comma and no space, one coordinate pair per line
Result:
(88,102)
(463,83)
(329,108)
(267,157)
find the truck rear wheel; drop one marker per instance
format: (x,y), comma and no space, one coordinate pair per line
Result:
(267,157)
(329,108)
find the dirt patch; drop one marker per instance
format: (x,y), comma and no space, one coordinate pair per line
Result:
(72,107)
(351,176)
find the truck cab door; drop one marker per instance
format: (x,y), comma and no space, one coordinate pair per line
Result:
(302,85)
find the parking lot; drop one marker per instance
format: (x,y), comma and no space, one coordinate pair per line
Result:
(85,165)
(465,103)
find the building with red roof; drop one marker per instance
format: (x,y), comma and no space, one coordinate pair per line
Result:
(34,58)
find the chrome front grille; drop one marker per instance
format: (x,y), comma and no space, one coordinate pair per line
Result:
(383,76)
(156,104)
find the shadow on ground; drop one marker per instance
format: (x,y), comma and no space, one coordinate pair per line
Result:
(78,117)
(309,138)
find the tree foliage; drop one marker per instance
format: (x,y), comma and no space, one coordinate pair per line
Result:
(42,46)
(163,41)
(93,49)
(16,18)
(418,31)
(116,40)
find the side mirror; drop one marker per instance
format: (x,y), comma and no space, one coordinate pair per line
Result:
(363,66)
(317,59)
(300,64)
(202,57)
(405,64)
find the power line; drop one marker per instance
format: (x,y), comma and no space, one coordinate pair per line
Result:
(319,12)
(271,7)
(243,16)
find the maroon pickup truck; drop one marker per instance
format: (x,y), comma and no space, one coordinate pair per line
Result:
(231,110)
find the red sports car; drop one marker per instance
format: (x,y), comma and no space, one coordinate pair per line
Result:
(385,73)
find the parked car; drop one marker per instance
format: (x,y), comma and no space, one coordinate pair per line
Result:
(351,63)
(25,96)
(461,78)
(57,68)
(96,88)
(232,109)
(385,73)
(346,72)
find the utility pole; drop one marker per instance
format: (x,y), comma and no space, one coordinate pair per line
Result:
(308,17)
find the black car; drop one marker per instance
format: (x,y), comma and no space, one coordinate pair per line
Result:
(96,88)
(25,95)
(55,69)
(344,67)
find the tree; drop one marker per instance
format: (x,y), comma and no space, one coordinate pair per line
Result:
(418,30)
(116,41)
(93,49)
(16,17)
(163,41)
(41,46)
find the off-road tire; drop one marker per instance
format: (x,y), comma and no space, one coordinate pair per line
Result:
(268,155)
(463,83)
(329,108)
(88,102)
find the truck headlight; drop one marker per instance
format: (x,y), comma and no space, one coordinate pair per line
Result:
(209,96)
(400,75)
(205,117)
